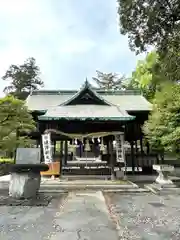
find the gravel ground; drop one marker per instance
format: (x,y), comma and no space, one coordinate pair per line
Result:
(28,223)
(147,216)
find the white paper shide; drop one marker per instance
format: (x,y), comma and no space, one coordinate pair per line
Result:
(46,142)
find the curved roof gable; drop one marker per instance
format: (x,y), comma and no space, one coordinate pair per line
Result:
(86,95)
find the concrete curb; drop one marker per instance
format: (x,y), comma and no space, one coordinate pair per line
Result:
(86,186)
(151,189)
(140,190)
(134,184)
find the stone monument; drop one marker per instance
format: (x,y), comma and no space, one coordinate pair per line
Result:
(25,174)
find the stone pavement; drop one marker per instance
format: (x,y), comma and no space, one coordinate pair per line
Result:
(85,215)
(82,215)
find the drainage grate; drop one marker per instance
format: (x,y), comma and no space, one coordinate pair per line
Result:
(40,200)
(157,204)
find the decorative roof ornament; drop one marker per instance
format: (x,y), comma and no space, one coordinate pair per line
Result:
(86,82)
(86,88)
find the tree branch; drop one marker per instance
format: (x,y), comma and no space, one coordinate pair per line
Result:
(6,119)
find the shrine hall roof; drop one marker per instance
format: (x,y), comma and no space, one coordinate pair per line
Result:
(90,112)
(126,100)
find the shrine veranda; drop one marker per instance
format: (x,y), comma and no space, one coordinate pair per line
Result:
(93,131)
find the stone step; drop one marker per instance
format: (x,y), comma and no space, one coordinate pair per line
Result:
(85,177)
(87,186)
(125,190)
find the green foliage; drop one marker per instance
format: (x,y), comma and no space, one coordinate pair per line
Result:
(148,75)
(149,22)
(163,126)
(154,23)
(6,160)
(14,121)
(24,79)
(109,81)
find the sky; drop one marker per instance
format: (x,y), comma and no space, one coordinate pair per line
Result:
(70,40)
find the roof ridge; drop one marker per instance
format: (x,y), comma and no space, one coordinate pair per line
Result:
(98,91)
(86,86)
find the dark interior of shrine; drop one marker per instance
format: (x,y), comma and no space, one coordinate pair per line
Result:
(139,153)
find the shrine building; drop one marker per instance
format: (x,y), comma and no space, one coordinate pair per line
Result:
(93,131)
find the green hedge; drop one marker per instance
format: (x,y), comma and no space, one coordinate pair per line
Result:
(6,160)
(4,165)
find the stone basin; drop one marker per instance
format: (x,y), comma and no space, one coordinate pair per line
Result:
(163,170)
(163,167)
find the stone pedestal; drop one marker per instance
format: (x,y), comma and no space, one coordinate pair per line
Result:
(163,171)
(119,174)
(24,185)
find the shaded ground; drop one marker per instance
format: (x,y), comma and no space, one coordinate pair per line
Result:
(147,216)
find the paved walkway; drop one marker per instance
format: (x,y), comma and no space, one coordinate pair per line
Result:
(82,216)
(85,216)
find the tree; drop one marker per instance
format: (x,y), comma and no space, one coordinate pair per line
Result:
(24,78)
(109,81)
(149,22)
(148,75)
(163,126)
(14,118)
(154,23)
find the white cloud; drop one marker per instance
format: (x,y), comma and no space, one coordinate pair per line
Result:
(69,39)
(76,46)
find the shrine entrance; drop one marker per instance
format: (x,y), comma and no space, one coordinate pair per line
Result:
(92,154)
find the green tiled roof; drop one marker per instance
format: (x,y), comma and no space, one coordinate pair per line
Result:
(90,112)
(42,100)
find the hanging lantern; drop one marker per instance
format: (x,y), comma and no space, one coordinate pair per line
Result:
(87,146)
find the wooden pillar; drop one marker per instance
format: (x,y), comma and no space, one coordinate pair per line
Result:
(61,158)
(108,153)
(111,159)
(65,152)
(136,147)
(148,149)
(132,156)
(141,145)
(61,150)
(80,148)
